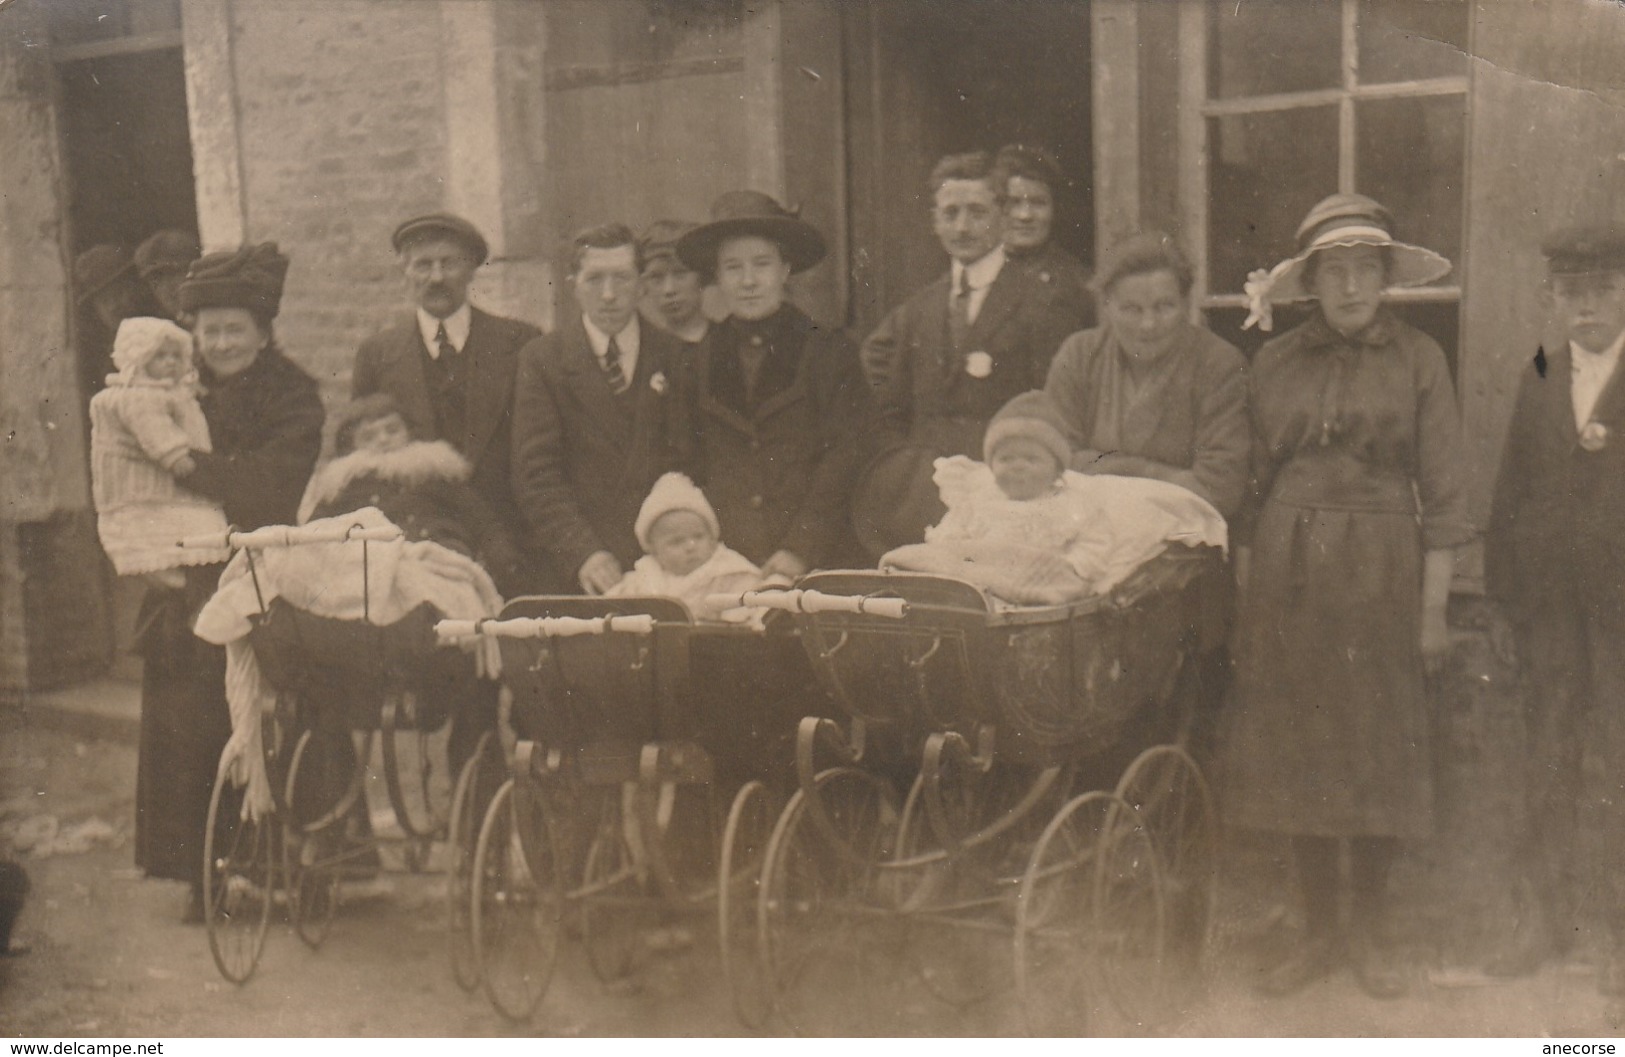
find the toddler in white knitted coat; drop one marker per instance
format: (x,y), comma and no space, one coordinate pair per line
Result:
(143,429)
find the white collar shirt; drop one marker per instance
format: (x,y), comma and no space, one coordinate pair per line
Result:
(457,325)
(1589,377)
(980,275)
(626,343)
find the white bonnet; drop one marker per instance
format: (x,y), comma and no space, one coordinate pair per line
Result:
(674,491)
(141,337)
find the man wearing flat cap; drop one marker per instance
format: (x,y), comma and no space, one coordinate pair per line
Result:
(1555,563)
(450,366)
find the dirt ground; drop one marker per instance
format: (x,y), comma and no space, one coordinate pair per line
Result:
(110,958)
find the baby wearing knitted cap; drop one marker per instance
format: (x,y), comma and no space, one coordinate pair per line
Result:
(143,429)
(684,555)
(1032,532)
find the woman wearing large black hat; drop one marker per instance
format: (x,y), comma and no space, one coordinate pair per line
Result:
(265,425)
(777,404)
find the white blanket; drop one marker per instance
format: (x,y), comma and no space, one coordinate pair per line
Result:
(326,579)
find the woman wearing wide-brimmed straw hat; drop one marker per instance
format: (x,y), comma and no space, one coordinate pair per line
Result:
(1346,551)
(777,404)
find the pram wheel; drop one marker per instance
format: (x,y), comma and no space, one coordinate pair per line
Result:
(614,905)
(830,955)
(308,850)
(952,962)
(739,881)
(239,876)
(1174,806)
(515,901)
(415,771)
(1089,922)
(476,786)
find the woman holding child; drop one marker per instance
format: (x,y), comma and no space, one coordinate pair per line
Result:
(776,404)
(265,424)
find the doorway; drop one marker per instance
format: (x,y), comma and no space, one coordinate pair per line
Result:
(127,153)
(927,78)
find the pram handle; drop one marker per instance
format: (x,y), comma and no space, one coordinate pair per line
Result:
(543,627)
(798,600)
(292,536)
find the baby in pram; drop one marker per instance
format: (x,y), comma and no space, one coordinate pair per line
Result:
(1031,532)
(421,486)
(685,557)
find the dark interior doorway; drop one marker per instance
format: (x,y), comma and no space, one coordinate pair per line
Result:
(127,153)
(129,150)
(932,77)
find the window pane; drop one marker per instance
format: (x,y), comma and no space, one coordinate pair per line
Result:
(1267,170)
(1264,48)
(1404,40)
(1409,157)
(1440,321)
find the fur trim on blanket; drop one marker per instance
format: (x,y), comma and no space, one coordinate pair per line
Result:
(417,463)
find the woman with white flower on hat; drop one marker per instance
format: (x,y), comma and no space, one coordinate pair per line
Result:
(1348,540)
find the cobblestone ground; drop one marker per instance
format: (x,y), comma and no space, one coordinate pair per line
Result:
(109,957)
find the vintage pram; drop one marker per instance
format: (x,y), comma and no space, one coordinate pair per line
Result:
(652,754)
(340,688)
(995,773)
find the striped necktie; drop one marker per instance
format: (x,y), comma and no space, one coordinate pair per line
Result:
(612,367)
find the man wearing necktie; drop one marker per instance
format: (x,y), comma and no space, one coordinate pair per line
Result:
(1555,564)
(593,421)
(450,366)
(945,360)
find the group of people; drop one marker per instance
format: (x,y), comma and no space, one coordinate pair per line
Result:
(673,452)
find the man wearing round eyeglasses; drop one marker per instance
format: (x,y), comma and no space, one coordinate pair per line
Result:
(450,366)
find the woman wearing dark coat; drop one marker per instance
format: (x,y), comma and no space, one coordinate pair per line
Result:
(265,424)
(1345,552)
(776,405)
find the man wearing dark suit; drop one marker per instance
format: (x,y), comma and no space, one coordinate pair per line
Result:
(1555,561)
(450,366)
(945,360)
(593,419)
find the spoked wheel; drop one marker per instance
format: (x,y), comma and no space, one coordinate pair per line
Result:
(239,877)
(416,773)
(1174,806)
(515,902)
(476,786)
(615,906)
(739,881)
(830,941)
(1090,935)
(309,846)
(946,901)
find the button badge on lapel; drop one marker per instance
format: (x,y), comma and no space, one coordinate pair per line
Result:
(978,365)
(1594,437)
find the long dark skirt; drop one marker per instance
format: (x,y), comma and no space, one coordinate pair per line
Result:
(184,727)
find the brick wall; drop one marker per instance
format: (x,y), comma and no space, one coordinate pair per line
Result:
(342,132)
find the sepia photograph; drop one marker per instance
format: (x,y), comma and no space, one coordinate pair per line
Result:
(812,518)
